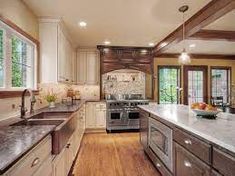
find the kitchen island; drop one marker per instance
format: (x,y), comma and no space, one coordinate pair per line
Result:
(180,143)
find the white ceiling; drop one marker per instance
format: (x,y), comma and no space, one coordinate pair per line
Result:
(123,22)
(205,47)
(227,23)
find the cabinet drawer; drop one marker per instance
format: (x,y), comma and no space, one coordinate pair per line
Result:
(194,145)
(188,165)
(158,164)
(223,162)
(32,161)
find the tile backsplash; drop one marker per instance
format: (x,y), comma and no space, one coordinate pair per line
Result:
(124,81)
(10,107)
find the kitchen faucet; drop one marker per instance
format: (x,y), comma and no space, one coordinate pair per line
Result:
(23,109)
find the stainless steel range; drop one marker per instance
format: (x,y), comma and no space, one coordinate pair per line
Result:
(123,114)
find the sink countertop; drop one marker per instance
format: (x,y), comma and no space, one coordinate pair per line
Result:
(17,140)
(220,132)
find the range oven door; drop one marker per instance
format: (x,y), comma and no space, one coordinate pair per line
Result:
(160,141)
(116,120)
(133,119)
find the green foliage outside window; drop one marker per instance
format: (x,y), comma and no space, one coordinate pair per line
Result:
(168,83)
(18,62)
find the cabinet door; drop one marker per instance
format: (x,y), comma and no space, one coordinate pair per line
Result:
(92,76)
(100,118)
(187,164)
(69,155)
(61,56)
(73,67)
(60,164)
(81,67)
(90,116)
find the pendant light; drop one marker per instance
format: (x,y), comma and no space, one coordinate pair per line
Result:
(184,58)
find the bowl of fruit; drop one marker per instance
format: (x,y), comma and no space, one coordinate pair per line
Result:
(205,110)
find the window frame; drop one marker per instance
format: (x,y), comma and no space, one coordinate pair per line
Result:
(158,78)
(229,81)
(12,29)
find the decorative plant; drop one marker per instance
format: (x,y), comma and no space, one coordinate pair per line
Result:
(51,97)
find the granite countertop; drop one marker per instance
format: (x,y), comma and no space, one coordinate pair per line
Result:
(18,140)
(220,132)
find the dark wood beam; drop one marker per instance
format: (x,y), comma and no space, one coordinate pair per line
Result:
(208,14)
(198,56)
(214,35)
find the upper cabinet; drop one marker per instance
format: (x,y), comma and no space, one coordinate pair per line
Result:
(58,57)
(88,66)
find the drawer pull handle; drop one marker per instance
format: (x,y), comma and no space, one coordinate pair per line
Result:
(187,164)
(188,142)
(35,162)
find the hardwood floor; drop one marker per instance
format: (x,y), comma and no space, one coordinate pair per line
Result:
(116,154)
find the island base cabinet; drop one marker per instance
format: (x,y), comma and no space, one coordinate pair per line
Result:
(188,165)
(223,162)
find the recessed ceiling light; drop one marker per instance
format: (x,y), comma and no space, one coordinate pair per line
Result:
(151,44)
(192,45)
(107,42)
(82,24)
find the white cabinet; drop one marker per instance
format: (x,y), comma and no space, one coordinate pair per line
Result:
(59,164)
(33,162)
(63,162)
(57,53)
(88,67)
(96,115)
(90,115)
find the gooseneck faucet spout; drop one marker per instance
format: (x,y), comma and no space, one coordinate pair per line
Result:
(32,102)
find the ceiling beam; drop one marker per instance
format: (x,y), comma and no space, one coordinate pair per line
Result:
(213,35)
(208,14)
(198,56)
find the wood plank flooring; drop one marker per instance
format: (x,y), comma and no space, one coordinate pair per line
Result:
(116,154)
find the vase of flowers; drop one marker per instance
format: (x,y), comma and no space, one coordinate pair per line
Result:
(51,98)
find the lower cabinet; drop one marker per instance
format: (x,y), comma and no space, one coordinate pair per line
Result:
(36,162)
(95,115)
(188,165)
(62,163)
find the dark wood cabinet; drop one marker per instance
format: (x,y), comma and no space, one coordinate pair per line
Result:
(144,128)
(223,162)
(186,164)
(215,173)
(196,146)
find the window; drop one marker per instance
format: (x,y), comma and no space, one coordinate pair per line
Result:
(195,86)
(168,81)
(220,83)
(17,60)
(1,59)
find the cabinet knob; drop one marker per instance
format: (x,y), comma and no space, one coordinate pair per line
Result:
(187,164)
(188,142)
(158,165)
(68,145)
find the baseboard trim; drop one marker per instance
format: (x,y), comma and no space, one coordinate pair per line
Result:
(95,130)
